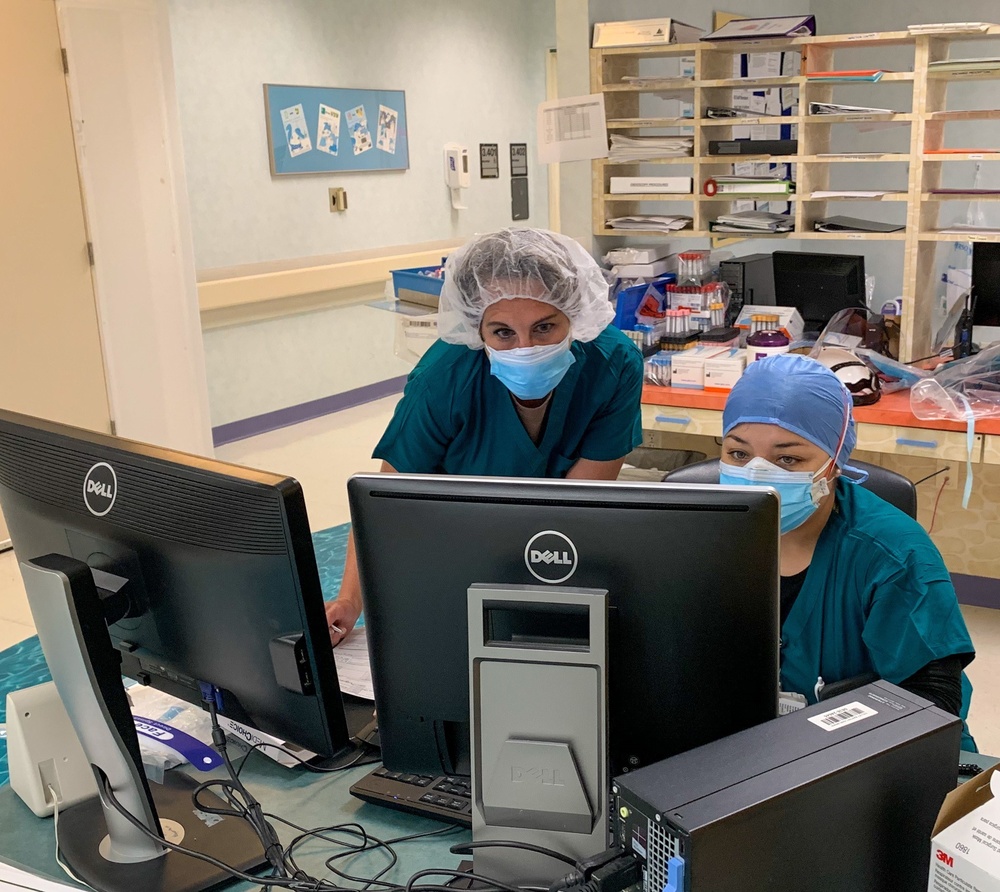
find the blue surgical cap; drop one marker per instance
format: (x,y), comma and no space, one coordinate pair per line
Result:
(795,393)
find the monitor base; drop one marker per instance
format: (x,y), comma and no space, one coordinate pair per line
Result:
(82,831)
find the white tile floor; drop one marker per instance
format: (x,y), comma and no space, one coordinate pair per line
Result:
(322,454)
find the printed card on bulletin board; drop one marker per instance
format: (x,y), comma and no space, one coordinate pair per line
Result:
(333,130)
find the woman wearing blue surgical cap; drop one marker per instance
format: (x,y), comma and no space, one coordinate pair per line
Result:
(863,588)
(528,379)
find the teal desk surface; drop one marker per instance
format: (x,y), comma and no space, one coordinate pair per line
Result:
(309,800)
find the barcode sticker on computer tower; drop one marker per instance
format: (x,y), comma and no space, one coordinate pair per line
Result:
(842,715)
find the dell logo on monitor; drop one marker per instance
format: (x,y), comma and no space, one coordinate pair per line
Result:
(100,487)
(550,557)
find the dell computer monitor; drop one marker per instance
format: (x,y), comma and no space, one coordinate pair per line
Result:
(219,558)
(818,285)
(692,577)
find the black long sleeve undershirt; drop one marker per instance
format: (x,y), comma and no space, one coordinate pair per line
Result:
(940,681)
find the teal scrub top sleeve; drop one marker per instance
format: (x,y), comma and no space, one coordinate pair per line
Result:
(915,618)
(417,438)
(616,429)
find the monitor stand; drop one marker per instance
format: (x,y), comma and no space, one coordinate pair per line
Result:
(100,845)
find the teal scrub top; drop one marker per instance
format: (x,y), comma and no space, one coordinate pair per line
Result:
(456,418)
(876,598)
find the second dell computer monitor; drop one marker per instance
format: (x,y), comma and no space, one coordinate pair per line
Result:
(692,577)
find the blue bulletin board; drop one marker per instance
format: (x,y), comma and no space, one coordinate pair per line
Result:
(327,129)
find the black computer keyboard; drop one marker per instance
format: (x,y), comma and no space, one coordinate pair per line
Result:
(447,798)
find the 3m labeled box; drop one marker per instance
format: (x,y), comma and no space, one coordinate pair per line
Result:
(965,846)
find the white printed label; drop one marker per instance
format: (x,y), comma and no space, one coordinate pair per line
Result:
(870,36)
(842,715)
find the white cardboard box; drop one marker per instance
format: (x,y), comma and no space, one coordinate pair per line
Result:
(687,368)
(965,845)
(644,32)
(789,320)
(722,372)
(659,185)
(645,270)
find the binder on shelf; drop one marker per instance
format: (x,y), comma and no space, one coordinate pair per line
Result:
(752,29)
(747,185)
(644,32)
(855,224)
(753,146)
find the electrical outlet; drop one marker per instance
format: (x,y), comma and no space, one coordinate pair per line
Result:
(952,470)
(338,199)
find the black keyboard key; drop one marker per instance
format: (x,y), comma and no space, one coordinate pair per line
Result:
(408,778)
(456,804)
(422,781)
(444,786)
(429,797)
(381,772)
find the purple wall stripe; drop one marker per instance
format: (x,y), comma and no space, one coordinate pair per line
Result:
(977,591)
(327,405)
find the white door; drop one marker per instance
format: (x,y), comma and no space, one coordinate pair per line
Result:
(121,87)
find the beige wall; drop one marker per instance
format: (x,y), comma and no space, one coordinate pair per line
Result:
(50,352)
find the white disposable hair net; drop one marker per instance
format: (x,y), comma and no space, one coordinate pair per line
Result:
(512,263)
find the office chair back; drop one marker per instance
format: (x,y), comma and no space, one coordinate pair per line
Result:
(894,488)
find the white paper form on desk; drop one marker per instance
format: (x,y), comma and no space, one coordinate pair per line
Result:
(354,671)
(16,878)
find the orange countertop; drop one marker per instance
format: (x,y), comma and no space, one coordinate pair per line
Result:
(891,409)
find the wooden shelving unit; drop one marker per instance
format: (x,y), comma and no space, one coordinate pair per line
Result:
(713,84)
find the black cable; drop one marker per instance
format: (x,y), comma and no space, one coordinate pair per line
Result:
(387,845)
(458,874)
(929,476)
(284,882)
(467,848)
(317,769)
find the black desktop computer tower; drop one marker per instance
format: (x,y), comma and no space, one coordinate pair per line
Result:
(838,796)
(750,279)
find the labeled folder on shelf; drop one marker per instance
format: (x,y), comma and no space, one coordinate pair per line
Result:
(751,29)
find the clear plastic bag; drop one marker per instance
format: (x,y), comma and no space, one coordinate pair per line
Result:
(969,386)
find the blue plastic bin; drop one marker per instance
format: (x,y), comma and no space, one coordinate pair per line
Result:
(414,286)
(628,301)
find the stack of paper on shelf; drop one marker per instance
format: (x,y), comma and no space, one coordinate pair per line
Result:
(650,222)
(832,108)
(752,221)
(643,148)
(639,80)
(949,27)
(959,67)
(854,224)
(853,193)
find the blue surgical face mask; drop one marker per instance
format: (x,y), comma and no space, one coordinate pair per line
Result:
(801,491)
(531,373)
